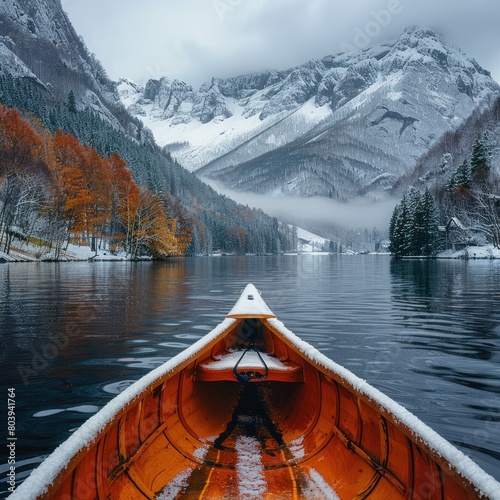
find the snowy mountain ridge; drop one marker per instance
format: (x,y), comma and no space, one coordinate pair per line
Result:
(197,132)
(38,41)
(342,126)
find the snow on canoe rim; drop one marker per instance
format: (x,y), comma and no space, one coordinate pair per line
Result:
(68,457)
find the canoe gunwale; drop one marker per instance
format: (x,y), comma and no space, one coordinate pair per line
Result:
(447,456)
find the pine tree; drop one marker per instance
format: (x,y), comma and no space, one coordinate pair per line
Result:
(71,106)
(480,160)
(400,227)
(427,220)
(461,181)
(413,229)
(394,231)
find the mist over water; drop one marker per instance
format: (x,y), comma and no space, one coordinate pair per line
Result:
(359,213)
(426,333)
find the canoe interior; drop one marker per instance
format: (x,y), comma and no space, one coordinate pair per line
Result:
(298,433)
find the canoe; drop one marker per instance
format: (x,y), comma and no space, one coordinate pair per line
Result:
(252,411)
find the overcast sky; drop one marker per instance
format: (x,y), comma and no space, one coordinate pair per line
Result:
(193,40)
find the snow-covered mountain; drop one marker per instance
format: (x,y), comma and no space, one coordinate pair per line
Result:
(341,126)
(38,41)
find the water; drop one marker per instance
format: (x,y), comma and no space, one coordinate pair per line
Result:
(427,334)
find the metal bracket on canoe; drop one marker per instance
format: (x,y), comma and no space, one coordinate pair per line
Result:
(247,376)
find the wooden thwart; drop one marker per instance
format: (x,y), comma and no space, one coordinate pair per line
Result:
(216,370)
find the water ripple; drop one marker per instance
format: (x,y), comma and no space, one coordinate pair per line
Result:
(425,333)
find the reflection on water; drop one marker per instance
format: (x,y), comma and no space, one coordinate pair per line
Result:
(80,409)
(449,311)
(425,333)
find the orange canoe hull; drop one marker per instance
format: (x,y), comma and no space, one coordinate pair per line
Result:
(295,429)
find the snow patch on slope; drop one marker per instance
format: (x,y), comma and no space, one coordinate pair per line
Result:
(310,242)
(195,144)
(11,64)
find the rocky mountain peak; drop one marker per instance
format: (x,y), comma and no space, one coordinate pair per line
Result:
(41,19)
(38,39)
(365,118)
(244,86)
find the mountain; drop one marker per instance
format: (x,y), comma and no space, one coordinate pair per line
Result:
(342,126)
(37,40)
(47,71)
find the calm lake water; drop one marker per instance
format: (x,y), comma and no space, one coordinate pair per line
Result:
(425,333)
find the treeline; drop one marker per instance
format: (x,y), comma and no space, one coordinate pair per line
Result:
(55,190)
(413,229)
(215,222)
(468,193)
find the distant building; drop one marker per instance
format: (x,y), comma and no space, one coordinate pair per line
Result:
(456,234)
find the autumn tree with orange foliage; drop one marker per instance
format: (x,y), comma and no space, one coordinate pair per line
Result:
(19,144)
(83,181)
(124,195)
(87,198)
(178,212)
(148,226)
(23,175)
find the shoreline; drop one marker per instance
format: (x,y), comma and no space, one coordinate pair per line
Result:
(22,251)
(75,253)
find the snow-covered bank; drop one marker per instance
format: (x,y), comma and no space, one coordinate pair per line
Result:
(309,244)
(34,253)
(472,252)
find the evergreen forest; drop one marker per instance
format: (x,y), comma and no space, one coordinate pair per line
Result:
(464,210)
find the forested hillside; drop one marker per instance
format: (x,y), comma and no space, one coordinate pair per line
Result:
(54,190)
(207,220)
(461,203)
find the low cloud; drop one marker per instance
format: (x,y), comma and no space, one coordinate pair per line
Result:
(360,212)
(194,40)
